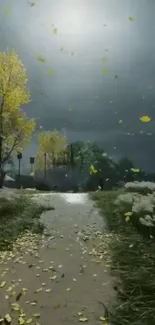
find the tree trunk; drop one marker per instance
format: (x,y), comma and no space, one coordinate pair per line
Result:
(2,177)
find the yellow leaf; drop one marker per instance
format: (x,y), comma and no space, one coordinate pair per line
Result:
(135,170)
(32,4)
(29,321)
(21,320)
(39,290)
(54,277)
(55,31)
(105,70)
(15,306)
(9,289)
(80,313)
(57,305)
(41,59)
(93,170)
(33,303)
(102,318)
(83,319)
(145,118)
(8,318)
(128,214)
(37,315)
(2,284)
(131,18)
(120,121)
(104,60)
(6,10)
(51,72)
(127,219)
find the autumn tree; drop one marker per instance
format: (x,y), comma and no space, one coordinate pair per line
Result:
(54,144)
(15,128)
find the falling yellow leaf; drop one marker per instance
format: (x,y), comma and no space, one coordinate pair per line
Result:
(48,290)
(105,70)
(120,121)
(29,321)
(93,170)
(8,318)
(21,320)
(83,319)
(51,72)
(55,31)
(41,59)
(68,289)
(131,18)
(6,10)
(145,119)
(2,284)
(32,4)
(80,313)
(135,170)
(104,60)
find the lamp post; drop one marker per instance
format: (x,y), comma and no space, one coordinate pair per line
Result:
(45,166)
(19,157)
(32,163)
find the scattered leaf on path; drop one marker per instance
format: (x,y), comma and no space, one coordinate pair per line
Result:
(2,284)
(54,277)
(38,290)
(21,320)
(83,319)
(29,321)
(37,315)
(8,318)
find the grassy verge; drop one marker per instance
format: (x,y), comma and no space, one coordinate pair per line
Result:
(133,256)
(16,217)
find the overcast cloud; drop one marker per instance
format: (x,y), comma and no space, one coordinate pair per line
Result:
(88,30)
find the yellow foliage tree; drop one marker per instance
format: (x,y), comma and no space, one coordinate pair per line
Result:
(15,128)
(54,144)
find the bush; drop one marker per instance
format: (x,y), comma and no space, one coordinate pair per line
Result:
(133,260)
(16,217)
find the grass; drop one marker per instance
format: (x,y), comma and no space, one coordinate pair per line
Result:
(16,217)
(133,257)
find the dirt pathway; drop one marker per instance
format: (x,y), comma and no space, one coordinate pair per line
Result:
(61,279)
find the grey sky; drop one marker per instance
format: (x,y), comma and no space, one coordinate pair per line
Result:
(91,30)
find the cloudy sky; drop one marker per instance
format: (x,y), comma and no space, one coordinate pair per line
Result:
(102,57)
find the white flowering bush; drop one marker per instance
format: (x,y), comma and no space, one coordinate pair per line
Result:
(140,187)
(139,209)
